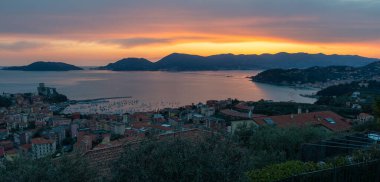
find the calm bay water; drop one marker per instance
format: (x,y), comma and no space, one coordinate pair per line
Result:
(179,87)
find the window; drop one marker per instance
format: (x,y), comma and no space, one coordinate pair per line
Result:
(269,121)
(330,120)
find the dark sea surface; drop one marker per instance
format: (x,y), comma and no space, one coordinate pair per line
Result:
(178,87)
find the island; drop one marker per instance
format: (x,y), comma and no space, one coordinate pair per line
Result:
(187,62)
(319,77)
(44,66)
(129,64)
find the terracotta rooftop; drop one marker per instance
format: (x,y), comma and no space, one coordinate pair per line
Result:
(11,152)
(26,146)
(328,119)
(139,125)
(234,113)
(41,141)
(243,106)
(2,152)
(161,127)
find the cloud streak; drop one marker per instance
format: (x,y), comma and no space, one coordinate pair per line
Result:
(135,42)
(21,45)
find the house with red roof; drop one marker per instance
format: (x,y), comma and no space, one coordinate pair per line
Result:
(327,119)
(43,147)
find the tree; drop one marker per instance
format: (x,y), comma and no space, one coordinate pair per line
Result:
(5,102)
(65,169)
(377,108)
(277,172)
(58,98)
(211,159)
(283,143)
(243,134)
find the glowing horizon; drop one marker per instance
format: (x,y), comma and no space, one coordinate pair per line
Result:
(94,32)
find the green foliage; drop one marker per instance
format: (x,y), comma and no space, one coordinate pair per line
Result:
(285,140)
(115,137)
(367,126)
(338,95)
(243,134)
(338,90)
(284,170)
(371,125)
(58,98)
(5,102)
(377,108)
(68,141)
(65,169)
(212,159)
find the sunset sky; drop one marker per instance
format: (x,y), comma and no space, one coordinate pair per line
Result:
(96,32)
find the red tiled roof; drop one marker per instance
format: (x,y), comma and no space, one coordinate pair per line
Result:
(139,125)
(26,146)
(161,127)
(2,152)
(234,113)
(10,152)
(243,106)
(314,118)
(41,141)
(6,142)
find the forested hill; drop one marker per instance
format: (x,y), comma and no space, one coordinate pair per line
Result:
(318,74)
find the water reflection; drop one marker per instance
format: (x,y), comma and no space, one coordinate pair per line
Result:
(176,87)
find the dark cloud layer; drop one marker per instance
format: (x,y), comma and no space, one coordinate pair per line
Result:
(300,20)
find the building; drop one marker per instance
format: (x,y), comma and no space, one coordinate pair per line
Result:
(4,133)
(42,147)
(74,130)
(236,115)
(46,91)
(241,123)
(364,117)
(326,119)
(118,128)
(207,111)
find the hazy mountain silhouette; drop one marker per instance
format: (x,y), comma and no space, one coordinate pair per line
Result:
(186,62)
(45,66)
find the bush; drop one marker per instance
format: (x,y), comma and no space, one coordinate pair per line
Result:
(284,170)
(212,159)
(285,141)
(65,169)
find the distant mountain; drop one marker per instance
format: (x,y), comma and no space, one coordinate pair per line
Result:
(130,64)
(45,66)
(186,62)
(319,74)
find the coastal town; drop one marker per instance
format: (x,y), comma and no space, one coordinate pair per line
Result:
(33,127)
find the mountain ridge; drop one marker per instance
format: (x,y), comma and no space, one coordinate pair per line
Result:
(188,62)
